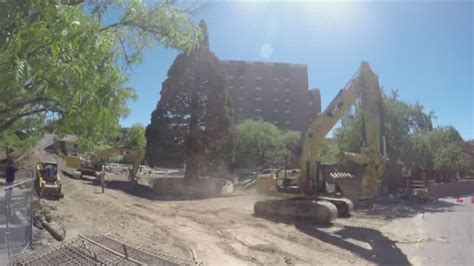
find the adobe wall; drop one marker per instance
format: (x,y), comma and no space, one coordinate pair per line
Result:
(453,189)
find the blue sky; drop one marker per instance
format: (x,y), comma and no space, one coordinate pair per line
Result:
(424,50)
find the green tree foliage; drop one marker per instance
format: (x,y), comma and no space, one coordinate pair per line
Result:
(400,120)
(411,140)
(420,154)
(330,153)
(287,144)
(261,144)
(133,137)
(59,64)
(440,150)
(192,122)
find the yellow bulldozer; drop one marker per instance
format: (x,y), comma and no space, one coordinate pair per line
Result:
(48,183)
(304,192)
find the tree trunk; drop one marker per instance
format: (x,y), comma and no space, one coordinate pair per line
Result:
(192,154)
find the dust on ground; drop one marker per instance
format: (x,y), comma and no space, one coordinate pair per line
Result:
(223,231)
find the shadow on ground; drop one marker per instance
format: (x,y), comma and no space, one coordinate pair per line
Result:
(367,243)
(143,191)
(67,174)
(378,248)
(408,208)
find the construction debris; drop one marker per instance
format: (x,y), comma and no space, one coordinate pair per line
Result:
(55,229)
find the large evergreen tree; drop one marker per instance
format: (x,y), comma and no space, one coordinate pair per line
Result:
(192,121)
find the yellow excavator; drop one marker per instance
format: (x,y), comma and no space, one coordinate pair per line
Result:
(305,195)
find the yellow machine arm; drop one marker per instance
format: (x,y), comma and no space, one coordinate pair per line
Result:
(366,87)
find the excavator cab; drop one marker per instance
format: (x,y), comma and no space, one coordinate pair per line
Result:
(286,181)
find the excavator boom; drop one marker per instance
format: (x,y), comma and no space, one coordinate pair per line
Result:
(364,86)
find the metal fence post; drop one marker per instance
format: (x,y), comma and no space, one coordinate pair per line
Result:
(7,214)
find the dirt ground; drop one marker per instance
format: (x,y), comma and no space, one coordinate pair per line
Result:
(223,231)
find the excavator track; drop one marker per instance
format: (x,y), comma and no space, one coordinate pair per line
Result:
(316,210)
(344,205)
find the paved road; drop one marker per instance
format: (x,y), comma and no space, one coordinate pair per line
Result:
(441,238)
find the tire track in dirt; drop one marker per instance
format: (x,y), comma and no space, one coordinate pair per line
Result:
(283,235)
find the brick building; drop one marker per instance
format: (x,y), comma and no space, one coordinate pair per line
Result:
(274,92)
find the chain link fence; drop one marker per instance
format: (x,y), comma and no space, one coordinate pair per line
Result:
(16,229)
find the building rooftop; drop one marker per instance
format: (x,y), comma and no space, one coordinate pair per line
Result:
(264,62)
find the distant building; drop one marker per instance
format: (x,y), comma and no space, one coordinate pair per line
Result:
(66,144)
(274,92)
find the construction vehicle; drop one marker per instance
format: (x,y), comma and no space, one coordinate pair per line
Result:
(48,182)
(305,191)
(94,165)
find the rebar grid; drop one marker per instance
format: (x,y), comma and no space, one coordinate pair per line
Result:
(153,251)
(97,250)
(141,255)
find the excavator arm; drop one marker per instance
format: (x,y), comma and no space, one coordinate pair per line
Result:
(364,86)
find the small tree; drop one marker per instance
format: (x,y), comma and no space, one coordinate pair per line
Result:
(285,148)
(261,144)
(445,150)
(133,137)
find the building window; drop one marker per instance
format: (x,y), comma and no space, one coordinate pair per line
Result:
(287,90)
(241,77)
(275,89)
(275,100)
(287,122)
(241,87)
(259,82)
(258,99)
(287,111)
(258,110)
(287,100)
(275,110)
(281,70)
(241,98)
(241,69)
(258,88)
